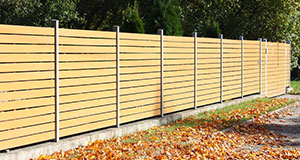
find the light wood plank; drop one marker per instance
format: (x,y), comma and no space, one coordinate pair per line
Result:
(17,142)
(6,48)
(86,127)
(86,41)
(25,113)
(16,29)
(86,33)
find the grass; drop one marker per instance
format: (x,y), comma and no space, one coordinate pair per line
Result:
(221,118)
(296,87)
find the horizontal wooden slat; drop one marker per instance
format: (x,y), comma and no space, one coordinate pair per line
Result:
(138,88)
(140,102)
(140,82)
(140,69)
(86,103)
(178,45)
(5,48)
(132,97)
(86,49)
(173,85)
(26,103)
(140,109)
(231,41)
(139,43)
(15,39)
(209,101)
(25,113)
(26,122)
(81,73)
(26,140)
(88,80)
(15,29)
(13,67)
(77,97)
(85,57)
(177,90)
(139,56)
(86,127)
(179,39)
(206,40)
(73,114)
(137,36)
(26,94)
(26,85)
(139,63)
(86,41)
(26,57)
(25,131)
(208,45)
(86,33)
(139,116)
(179,95)
(124,77)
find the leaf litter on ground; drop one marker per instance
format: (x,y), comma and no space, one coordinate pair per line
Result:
(199,137)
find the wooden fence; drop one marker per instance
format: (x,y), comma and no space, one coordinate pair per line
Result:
(57,83)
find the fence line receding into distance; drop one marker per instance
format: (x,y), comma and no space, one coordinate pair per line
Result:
(57,83)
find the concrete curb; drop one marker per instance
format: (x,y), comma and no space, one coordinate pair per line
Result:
(84,139)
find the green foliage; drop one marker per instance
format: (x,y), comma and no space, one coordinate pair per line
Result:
(164,14)
(211,29)
(131,20)
(39,12)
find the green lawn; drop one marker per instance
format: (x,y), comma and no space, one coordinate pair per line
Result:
(296,87)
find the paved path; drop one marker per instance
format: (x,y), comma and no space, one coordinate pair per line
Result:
(288,125)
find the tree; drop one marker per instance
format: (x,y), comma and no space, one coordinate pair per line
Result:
(164,14)
(40,12)
(131,20)
(211,29)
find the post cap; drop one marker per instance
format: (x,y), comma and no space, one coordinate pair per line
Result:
(220,35)
(115,27)
(194,34)
(265,40)
(260,39)
(241,37)
(160,31)
(53,22)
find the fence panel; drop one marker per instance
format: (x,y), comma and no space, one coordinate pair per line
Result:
(87,80)
(139,76)
(272,69)
(251,67)
(208,71)
(27,85)
(281,69)
(287,64)
(178,73)
(231,69)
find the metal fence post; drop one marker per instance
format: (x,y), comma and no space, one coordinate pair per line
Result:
(221,67)
(260,66)
(290,45)
(55,24)
(266,68)
(117,30)
(195,69)
(161,32)
(242,66)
